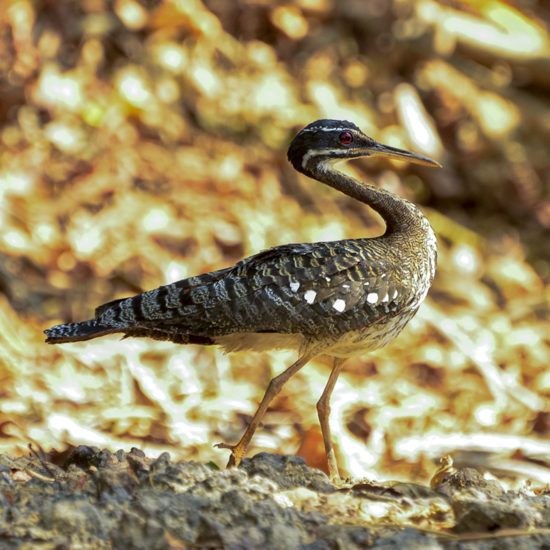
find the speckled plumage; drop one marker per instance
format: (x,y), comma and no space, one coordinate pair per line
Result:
(339,298)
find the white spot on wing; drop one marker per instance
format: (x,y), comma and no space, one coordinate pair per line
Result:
(294,286)
(339,305)
(386,298)
(372,297)
(327,279)
(309,296)
(395,293)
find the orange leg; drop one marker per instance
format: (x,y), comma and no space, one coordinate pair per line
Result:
(323,410)
(238,451)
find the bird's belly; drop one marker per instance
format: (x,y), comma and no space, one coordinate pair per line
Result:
(369,338)
(259,341)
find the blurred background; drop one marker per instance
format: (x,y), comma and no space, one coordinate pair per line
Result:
(145,141)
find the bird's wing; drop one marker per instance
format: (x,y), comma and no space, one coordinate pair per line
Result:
(338,276)
(290,288)
(179,292)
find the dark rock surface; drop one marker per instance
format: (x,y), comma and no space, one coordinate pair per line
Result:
(101,500)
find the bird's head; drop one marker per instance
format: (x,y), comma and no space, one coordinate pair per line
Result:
(326,141)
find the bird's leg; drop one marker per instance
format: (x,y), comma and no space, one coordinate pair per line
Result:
(323,410)
(238,451)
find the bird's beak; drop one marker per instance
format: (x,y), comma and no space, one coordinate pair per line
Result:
(381,150)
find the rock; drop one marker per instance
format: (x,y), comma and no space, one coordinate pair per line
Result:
(103,500)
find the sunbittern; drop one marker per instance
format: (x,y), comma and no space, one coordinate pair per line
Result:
(339,298)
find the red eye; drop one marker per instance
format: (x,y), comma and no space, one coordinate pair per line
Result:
(346,138)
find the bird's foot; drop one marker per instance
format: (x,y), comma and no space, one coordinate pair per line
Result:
(333,473)
(224,446)
(236,453)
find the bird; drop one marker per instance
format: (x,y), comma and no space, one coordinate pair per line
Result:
(341,298)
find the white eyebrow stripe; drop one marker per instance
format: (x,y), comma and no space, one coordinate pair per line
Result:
(327,129)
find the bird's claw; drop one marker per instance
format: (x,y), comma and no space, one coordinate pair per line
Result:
(234,460)
(224,446)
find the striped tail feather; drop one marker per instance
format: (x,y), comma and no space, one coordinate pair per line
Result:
(76,332)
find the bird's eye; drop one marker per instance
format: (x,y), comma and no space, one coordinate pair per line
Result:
(346,138)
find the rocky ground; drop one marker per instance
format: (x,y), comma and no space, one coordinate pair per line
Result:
(144,141)
(96,499)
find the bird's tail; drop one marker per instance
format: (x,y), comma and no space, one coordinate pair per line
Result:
(76,332)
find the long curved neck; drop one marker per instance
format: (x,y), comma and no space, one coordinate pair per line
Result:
(400,215)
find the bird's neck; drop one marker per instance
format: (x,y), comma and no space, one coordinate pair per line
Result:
(400,215)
